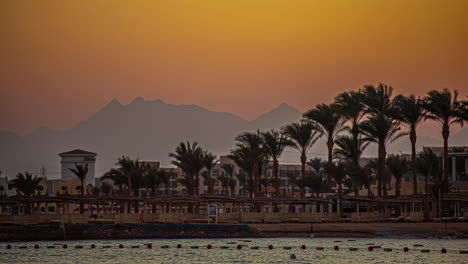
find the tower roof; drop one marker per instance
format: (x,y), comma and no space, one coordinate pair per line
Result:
(77,152)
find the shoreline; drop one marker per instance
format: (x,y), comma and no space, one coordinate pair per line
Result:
(175,231)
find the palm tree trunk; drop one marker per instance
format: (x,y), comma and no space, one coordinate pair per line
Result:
(330,159)
(275,175)
(303,163)
(445,135)
(413,139)
(381,170)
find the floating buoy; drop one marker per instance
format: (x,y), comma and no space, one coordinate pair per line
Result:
(239,246)
(425,250)
(287,247)
(50,246)
(387,249)
(78,246)
(370,248)
(352,249)
(270,247)
(164,246)
(149,245)
(8,246)
(209,247)
(405,249)
(292,256)
(121,246)
(65,246)
(36,246)
(93,246)
(194,247)
(443,250)
(319,248)
(337,248)
(303,247)
(179,245)
(254,247)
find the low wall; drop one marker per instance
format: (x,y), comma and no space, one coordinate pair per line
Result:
(128,231)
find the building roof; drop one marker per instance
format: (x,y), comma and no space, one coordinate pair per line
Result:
(78,152)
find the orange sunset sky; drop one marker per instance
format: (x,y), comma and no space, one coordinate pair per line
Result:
(61,61)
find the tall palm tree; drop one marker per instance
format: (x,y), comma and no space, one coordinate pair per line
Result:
(411,113)
(316,164)
(209,161)
(381,130)
(303,135)
(26,183)
(189,158)
(275,142)
(250,155)
(127,167)
(329,120)
(80,172)
(398,167)
(352,109)
(445,108)
(381,127)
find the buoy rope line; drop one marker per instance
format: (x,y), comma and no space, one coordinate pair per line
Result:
(370,248)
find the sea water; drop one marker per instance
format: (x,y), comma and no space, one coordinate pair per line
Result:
(226,251)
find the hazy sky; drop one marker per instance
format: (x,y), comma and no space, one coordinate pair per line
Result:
(63,60)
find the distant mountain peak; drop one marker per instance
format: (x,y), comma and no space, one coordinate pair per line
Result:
(138,100)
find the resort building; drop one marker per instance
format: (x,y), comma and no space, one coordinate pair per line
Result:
(80,157)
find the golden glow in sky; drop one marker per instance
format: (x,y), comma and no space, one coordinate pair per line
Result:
(63,60)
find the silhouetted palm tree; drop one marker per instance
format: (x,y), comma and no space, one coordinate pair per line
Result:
(303,135)
(398,167)
(411,113)
(352,109)
(80,172)
(445,109)
(26,183)
(381,127)
(329,120)
(127,167)
(209,161)
(152,177)
(315,183)
(189,158)
(250,155)
(118,178)
(316,164)
(275,142)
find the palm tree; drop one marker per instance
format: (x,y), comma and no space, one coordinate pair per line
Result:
(80,171)
(445,109)
(303,135)
(381,127)
(189,158)
(127,167)
(26,183)
(351,149)
(315,183)
(275,142)
(164,178)
(352,109)
(209,161)
(118,178)
(152,177)
(250,155)
(411,113)
(329,120)
(316,164)
(398,167)
(382,131)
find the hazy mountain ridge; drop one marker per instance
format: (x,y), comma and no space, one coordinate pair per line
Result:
(150,130)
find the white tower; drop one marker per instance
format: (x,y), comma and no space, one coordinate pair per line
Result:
(81,157)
